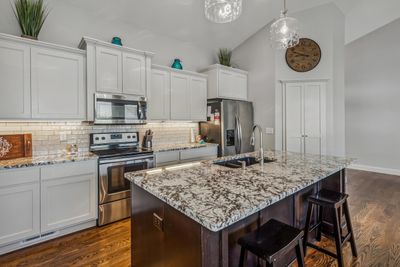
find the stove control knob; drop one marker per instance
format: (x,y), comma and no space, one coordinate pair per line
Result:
(103,138)
(129,137)
(97,139)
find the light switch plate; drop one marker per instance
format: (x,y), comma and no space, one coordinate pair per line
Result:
(269,130)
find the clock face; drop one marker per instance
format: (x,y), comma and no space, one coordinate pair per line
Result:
(303,57)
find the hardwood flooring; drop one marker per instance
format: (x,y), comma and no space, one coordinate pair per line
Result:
(375,210)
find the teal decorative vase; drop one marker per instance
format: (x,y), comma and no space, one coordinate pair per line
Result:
(116,41)
(177,64)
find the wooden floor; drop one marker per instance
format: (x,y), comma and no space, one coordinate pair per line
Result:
(375,209)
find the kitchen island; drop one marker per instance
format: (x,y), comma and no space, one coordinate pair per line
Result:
(193,214)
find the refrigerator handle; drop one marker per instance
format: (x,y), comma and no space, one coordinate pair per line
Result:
(240,135)
(237,147)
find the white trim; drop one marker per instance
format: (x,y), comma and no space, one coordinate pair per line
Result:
(222,67)
(374,169)
(166,68)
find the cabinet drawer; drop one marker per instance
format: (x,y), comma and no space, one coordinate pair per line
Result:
(19,176)
(68,169)
(199,153)
(163,158)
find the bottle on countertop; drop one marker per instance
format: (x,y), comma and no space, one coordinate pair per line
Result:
(217,117)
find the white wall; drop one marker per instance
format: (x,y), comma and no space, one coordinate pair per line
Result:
(66,25)
(324,24)
(256,56)
(369,15)
(373,98)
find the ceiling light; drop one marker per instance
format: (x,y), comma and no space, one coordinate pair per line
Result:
(284,32)
(223,11)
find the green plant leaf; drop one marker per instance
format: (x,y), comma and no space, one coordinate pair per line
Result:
(31,15)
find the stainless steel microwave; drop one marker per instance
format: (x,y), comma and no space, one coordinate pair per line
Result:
(119,109)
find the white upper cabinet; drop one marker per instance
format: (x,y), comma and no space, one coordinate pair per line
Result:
(15,91)
(180,96)
(134,74)
(108,70)
(58,85)
(198,99)
(115,69)
(226,82)
(177,95)
(159,95)
(40,80)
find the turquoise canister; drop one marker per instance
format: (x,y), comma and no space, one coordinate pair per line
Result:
(177,64)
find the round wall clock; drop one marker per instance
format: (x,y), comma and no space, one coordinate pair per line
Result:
(305,56)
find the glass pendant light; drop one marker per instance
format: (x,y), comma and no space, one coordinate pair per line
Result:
(284,32)
(223,11)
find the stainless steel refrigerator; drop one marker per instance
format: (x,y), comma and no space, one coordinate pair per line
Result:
(234,131)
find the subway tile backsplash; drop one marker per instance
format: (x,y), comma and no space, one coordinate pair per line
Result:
(53,137)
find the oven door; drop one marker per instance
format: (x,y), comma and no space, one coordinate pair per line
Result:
(112,183)
(119,109)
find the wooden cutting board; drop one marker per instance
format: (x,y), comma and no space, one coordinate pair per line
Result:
(15,146)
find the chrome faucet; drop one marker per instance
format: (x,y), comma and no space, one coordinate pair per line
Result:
(252,141)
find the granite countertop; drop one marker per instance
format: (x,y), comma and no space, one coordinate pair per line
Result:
(44,160)
(172,147)
(217,196)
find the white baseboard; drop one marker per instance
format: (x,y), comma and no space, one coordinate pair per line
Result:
(374,169)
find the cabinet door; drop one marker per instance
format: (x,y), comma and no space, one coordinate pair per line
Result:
(15,81)
(239,86)
(108,70)
(58,84)
(19,205)
(180,97)
(134,74)
(294,118)
(225,85)
(68,195)
(159,96)
(198,99)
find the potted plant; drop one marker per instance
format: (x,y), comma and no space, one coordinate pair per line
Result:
(31,14)
(224,57)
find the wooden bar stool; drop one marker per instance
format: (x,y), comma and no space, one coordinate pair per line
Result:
(272,241)
(332,201)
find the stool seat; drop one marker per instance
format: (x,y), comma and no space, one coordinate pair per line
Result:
(272,240)
(328,198)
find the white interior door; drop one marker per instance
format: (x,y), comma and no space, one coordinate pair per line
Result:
(294,118)
(313,118)
(305,117)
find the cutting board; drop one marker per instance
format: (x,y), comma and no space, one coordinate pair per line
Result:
(15,146)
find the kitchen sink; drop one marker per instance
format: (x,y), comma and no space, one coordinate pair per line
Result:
(237,163)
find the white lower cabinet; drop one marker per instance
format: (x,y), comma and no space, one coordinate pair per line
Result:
(19,205)
(40,203)
(68,195)
(166,158)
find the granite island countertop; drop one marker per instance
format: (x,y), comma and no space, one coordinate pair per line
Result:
(45,160)
(217,197)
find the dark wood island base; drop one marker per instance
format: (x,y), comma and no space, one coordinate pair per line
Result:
(164,237)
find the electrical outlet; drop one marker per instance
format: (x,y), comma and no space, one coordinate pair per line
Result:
(269,130)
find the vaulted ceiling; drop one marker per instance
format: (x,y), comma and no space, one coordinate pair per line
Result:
(184,19)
